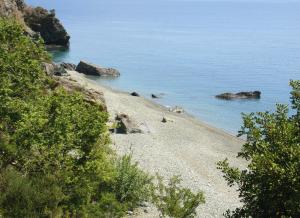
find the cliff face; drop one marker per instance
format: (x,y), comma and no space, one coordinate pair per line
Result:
(37,19)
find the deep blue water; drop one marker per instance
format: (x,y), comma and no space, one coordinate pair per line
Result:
(190,50)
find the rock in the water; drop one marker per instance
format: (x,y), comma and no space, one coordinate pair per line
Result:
(94,70)
(176,109)
(126,125)
(135,94)
(240,95)
(47,25)
(68,66)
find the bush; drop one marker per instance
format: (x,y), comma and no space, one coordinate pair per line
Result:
(131,185)
(270,186)
(174,201)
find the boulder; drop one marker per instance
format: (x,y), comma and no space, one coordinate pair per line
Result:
(95,70)
(135,94)
(240,95)
(125,125)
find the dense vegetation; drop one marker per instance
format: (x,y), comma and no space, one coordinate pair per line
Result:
(55,159)
(270,186)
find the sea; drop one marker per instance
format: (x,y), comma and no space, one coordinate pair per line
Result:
(188,51)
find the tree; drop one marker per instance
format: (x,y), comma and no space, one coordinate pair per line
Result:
(270,185)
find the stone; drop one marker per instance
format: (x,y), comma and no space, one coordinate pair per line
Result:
(126,125)
(164,120)
(95,70)
(135,94)
(240,95)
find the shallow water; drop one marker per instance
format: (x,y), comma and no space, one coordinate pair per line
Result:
(190,50)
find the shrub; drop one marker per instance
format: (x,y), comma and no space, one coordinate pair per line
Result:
(270,186)
(174,201)
(132,185)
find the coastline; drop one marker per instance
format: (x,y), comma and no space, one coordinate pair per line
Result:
(183,145)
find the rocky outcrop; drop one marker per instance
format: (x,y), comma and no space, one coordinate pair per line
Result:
(90,95)
(36,21)
(240,95)
(47,25)
(95,70)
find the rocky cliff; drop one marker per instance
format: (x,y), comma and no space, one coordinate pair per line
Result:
(36,20)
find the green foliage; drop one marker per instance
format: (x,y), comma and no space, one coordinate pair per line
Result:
(132,185)
(20,62)
(174,201)
(270,186)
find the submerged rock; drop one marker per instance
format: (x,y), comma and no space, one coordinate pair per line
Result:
(95,70)
(240,95)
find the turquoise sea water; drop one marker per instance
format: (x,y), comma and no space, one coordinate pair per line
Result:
(190,50)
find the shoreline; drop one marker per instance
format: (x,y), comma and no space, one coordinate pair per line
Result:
(184,145)
(186,114)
